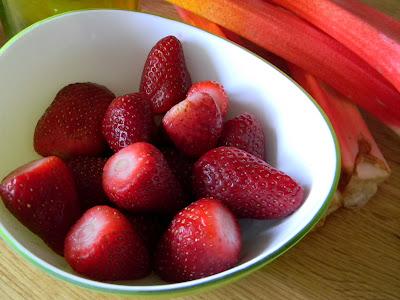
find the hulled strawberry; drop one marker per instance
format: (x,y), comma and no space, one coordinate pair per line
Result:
(103,245)
(42,196)
(165,78)
(203,239)
(128,120)
(249,186)
(244,132)
(71,125)
(194,125)
(138,179)
(88,172)
(215,90)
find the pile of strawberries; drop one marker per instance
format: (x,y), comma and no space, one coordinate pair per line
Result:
(119,195)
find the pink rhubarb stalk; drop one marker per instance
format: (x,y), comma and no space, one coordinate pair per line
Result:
(358,29)
(200,22)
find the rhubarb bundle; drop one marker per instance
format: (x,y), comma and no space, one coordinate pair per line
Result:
(363,165)
(296,40)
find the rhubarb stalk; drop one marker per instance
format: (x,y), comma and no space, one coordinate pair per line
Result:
(199,22)
(363,165)
(202,23)
(361,32)
(292,38)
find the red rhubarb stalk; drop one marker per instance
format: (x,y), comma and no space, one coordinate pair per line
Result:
(202,23)
(378,45)
(363,165)
(292,38)
(197,21)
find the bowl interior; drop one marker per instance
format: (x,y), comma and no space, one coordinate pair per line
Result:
(109,48)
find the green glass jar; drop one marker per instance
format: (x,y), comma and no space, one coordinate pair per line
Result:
(18,14)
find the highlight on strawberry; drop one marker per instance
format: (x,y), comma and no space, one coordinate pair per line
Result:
(165,77)
(70,126)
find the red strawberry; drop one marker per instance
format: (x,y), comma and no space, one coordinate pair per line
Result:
(103,245)
(202,240)
(165,78)
(128,120)
(181,166)
(194,125)
(246,184)
(149,227)
(88,171)
(42,196)
(71,125)
(244,132)
(138,179)
(215,90)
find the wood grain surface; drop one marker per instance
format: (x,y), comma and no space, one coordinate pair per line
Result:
(355,255)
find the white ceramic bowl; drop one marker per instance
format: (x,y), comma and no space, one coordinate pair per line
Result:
(110,47)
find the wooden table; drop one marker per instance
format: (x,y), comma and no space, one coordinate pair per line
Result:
(355,255)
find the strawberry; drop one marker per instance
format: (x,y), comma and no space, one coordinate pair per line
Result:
(244,132)
(194,125)
(249,186)
(128,120)
(165,78)
(150,228)
(103,245)
(181,166)
(71,125)
(215,90)
(42,196)
(138,179)
(87,172)
(203,239)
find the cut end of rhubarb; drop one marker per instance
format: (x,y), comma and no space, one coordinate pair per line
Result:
(368,174)
(363,165)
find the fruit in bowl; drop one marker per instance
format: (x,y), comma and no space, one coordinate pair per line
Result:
(143,173)
(204,238)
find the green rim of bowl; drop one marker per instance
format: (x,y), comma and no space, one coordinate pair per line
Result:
(191,286)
